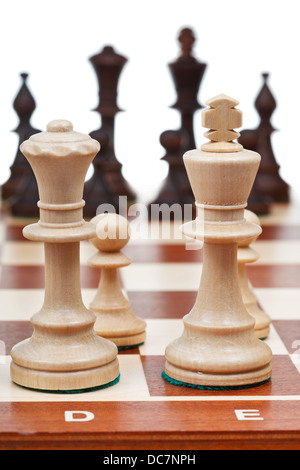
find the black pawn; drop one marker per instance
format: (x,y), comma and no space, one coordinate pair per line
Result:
(20,190)
(107,182)
(173,142)
(187,73)
(272,183)
(258,202)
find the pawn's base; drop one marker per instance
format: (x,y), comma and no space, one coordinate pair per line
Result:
(262,333)
(262,321)
(133,346)
(66,382)
(125,342)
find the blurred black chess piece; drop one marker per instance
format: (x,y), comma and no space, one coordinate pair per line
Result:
(187,73)
(107,182)
(258,202)
(269,187)
(20,190)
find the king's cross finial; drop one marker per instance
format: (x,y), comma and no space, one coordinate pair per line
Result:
(222,118)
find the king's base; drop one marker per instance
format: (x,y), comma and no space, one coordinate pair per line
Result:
(201,380)
(66,382)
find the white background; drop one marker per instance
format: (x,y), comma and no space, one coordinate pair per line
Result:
(52,41)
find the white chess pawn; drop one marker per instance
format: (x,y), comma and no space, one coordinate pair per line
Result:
(115,319)
(246,254)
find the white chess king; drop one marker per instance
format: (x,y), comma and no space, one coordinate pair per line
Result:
(219,347)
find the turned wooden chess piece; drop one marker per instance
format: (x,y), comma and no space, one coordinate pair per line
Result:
(20,190)
(107,182)
(269,185)
(219,347)
(64,353)
(187,73)
(259,202)
(274,185)
(246,255)
(115,319)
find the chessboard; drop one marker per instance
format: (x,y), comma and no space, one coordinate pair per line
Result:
(142,410)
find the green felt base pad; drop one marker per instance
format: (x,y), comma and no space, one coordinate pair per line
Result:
(133,346)
(91,389)
(210,387)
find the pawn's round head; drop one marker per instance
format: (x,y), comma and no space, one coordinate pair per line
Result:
(113,232)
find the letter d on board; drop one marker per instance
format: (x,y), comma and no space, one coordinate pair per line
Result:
(72,416)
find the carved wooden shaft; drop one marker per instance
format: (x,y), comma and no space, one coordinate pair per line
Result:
(109,295)
(219,286)
(62,280)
